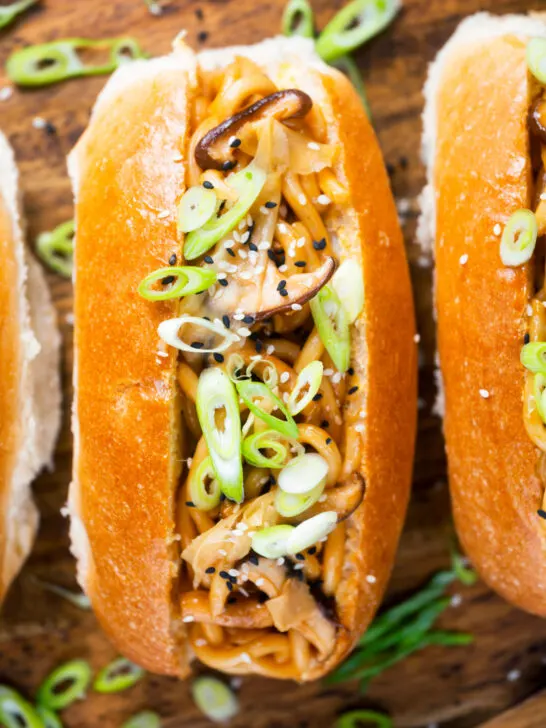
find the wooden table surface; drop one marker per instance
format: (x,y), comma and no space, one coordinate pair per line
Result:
(455,687)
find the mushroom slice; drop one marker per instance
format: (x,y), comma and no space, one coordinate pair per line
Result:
(343,499)
(214,149)
(537,118)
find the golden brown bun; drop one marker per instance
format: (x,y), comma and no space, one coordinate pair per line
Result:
(126,409)
(29,385)
(480,173)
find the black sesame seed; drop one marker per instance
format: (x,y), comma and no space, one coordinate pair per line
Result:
(248,319)
(324,424)
(328,440)
(235,143)
(253,558)
(312,550)
(228,164)
(50,129)
(229,585)
(218,357)
(352,390)
(222,497)
(167,280)
(254,335)
(319,244)
(300,557)
(231,252)
(208,185)
(390,169)
(202,36)
(271,480)
(270,204)
(317,396)
(233,579)
(283,292)
(526,338)
(172,259)
(199,14)
(196,344)
(208,259)
(403,162)
(223,574)
(223,282)
(253,247)
(190,504)
(258,345)
(271,255)
(225,321)
(541,513)
(350,371)
(281,285)
(300,264)
(210,570)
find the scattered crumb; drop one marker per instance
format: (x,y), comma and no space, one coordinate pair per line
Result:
(456,600)
(39,123)
(484,393)
(6,93)
(497,229)
(463,260)
(371,579)
(417,338)
(513,675)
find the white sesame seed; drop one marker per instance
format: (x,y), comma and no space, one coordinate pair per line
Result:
(38,122)
(162,353)
(189,618)
(323,200)
(264,210)
(222,552)
(283,228)
(236,236)
(300,242)
(243,254)
(6,93)
(296,307)
(280,561)
(228,243)
(200,642)
(313,145)
(270,349)
(237,532)
(484,393)
(246,275)
(456,600)
(285,397)
(302,199)
(245,657)
(285,376)
(336,378)
(189,461)
(249,220)
(283,268)
(233,572)
(163,214)
(371,579)
(243,331)
(497,229)
(260,581)
(178,158)
(322,498)
(238,316)
(530,309)
(417,338)
(360,427)
(221,276)
(241,225)
(463,260)
(264,245)
(298,567)
(244,592)
(328,372)
(513,675)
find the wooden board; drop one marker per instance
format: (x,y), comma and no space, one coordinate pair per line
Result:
(457,687)
(529,714)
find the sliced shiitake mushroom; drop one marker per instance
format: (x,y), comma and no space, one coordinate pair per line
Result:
(215,150)
(537,119)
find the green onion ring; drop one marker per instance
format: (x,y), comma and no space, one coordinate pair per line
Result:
(267,440)
(77,673)
(348,65)
(536,58)
(203,498)
(197,205)
(248,183)
(311,531)
(235,365)
(216,394)
(188,281)
(56,248)
(519,238)
(332,325)
(214,698)
(289,505)
(310,377)
(49,718)
(145,719)
(16,712)
(271,542)
(533,356)
(8,13)
(249,390)
(539,389)
(270,375)
(354,25)
(298,19)
(118,675)
(169,329)
(356,718)
(41,65)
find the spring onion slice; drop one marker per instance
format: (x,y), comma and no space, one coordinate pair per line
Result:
(218,413)
(533,356)
(79,600)
(354,25)
(214,699)
(236,367)
(41,65)
(303,473)
(145,719)
(358,718)
(311,531)
(50,719)
(248,183)
(197,205)
(298,19)
(271,543)
(267,440)
(188,280)
(249,391)
(519,238)
(56,248)
(203,489)
(73,677)
(270,375)
(464,573)
(536,58)
(8,13)
(348,283)
(290,505)
(332,325)
(16,712)
(169,331)
(307,385)
(118,675)
(539,389)
(348,65)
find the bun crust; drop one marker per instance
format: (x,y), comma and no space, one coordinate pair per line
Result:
(126,405)
(480,173)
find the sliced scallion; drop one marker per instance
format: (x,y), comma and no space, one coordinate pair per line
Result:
(536,58)
(203,489)
(66,684)
(169,329)
(311,531)
(332,325)
(297,19)
(56,248)
(118,675)
(303,473)
(218,413)
(197,205)
(290,505)
(16,712)
(50,719)
(214,699)
(348,283)
(533,356)
(183,280)
(271,543)
(8,13)
(250,391)
(253,445)
(248,183)
(358,718)
(519,238)
(307,385)
(144,719)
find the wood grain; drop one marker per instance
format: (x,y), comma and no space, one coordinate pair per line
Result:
(528,715)
(457,687)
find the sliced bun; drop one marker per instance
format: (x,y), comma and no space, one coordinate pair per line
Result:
(126,466)
(30,395)
(477,151)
